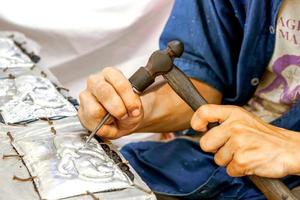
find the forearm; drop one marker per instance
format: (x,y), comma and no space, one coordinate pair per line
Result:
(165,111)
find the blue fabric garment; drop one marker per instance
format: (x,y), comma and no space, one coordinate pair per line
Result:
(179,168)
(228,43)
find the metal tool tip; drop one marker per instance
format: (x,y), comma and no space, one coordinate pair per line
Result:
(89,138)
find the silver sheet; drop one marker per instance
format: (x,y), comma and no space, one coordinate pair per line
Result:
(26,190)
(31,97)
(7,90)
(11,56)
(63,166)
(12,166)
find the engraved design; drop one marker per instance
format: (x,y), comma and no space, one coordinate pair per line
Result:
(35,97)
(11,56)
(62,165)
(87,162)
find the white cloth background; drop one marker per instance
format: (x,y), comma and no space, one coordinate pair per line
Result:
(81,37)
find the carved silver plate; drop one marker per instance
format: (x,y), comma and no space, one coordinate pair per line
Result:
(63,166)
(29,97)
(11,56)
(47,159)
(10,167)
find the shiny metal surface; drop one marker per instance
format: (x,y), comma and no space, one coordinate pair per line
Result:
(87,162)
(12,166)
(7,90)
(11,56)
(54,161)
(62,165)
(26,190)
(31,97)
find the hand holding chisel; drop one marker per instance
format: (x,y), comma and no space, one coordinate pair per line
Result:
(161,63)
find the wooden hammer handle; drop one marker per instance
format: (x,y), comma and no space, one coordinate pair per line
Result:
(181,84)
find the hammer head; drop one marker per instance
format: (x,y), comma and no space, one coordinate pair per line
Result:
(175,48)
(159,63)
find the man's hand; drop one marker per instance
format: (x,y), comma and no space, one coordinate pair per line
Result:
(110,90)
(245,144)
(157,110)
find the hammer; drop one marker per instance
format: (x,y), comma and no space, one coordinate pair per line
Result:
(161,63)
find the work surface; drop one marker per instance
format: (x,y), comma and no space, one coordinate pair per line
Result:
(42,151)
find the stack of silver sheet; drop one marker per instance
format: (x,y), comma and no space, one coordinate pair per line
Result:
(11,56)
(42,151)
(32,97)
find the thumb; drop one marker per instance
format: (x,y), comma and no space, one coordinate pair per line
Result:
(210,113)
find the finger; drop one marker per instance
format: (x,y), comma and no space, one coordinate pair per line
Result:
(92,108)
(210,113)
(242,164)
(124,88)
(215,138)
(83,120)
(224,155)
(234,170)
(109,132)
(108,98)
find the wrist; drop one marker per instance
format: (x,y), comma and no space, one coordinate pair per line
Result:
(147,106)
(164,111)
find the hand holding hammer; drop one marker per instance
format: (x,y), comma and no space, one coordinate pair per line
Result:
(161,63)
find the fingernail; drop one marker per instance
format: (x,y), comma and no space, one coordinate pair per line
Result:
(135,113)
(124,116)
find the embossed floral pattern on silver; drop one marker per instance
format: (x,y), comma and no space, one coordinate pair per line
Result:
(11,56)
(35,98)
(86,162)
(63,166)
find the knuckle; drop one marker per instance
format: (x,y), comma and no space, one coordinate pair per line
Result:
(103,90)
(249,172)
(202,112)
(218,159)
(240,160)
(123,86)
(120,112)
(106,70)
(234,170)
(230,171)
(135,104)
(109,70)
(91,80)
(237,127)
(236,140)
(95,112)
